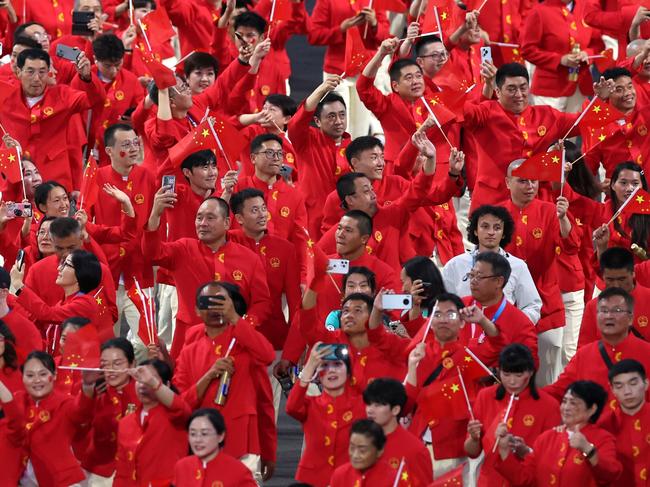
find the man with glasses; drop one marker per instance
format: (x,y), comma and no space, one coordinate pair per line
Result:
(487,279)
(431,55)
(37,115)
(542,231)
(614,317)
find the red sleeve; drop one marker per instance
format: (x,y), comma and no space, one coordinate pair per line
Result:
(372,98)
(218,95)
(519,473)
(140,116)
(76,307)
(642,273)
(94,90)
(260,302)
(297,403)
(388,343)
(312,328)
(267,430)
(608,468)
(161,253)
(255,343)
(295,344)
(320,31)
(532,36)
(298,129)
(568,376)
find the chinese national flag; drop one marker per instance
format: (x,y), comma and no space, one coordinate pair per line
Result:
(545,166)
(452,100)
(10,164)
(232,141)
(200,138)
(442,113)
(317,262)
(443,399)
(391,5)
(282,10)
(453,478)
(157,26)
(429,21)
(605,62)
(471,371)
(82,348)
(506,54)
(356,54)
(161,74)
(596,135)
(89,188)
(451,78)
(105,319)
(136,298)
(640,204)
(600,114)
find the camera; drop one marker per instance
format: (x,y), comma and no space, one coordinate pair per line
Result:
(397,301)
(22,210)
(80,22)
(205,302)
(339,351)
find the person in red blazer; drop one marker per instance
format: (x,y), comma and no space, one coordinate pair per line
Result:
(151,439)
(326,419)
(533,411)
(43,420)
(209,465)
(578,452)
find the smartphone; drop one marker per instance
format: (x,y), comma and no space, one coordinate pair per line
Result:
(20,259)
(80,23)
(19,210)
(285,172)
(67,52)
(338,266)
(206,301)
(339,351)
(169,181)
(397,301)
(486,55)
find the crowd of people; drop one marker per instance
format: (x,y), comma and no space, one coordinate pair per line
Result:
(439,256)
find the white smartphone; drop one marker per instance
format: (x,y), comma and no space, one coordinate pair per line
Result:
(338,266)
(486,54)
(397,301)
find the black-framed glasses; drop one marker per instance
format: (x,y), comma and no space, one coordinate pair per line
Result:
(470,276)
(272,154)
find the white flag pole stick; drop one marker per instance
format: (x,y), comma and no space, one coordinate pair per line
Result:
(580,117)
(435,119)
(483,366)
(625,203)
(144,308)
(230,347)
(144,35)
(365,31)
(216,137)
(399,473)
(505,419)
(462,384)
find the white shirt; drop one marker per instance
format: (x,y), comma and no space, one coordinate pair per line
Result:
(520,289)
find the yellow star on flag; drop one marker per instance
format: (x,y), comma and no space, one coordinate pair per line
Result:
(205,132)
(455,388)
(555,159)
(639,199)
(597,108)
(12,158)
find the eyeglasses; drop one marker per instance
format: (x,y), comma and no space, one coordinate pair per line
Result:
(65,264)
(127,144)
(184,88)
(613,311)
(436,55)
(30,73)
(470,276)
(41,35)
(450,315)
(271,154)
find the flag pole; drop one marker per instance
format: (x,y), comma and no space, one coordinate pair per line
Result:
(505,419)
(435,119)
(184,57)
(435,12)
(419,35)
(483,366)
(216,137)
(625,203)
(482,5)
(230,347)
(426,330)
(342,76)
(130,12)
(365,30)
(144,308)
(580,117)
(462,384)
(22,178)
(399,473)
(144,35)
(562,176)
(152,315)
(3,129)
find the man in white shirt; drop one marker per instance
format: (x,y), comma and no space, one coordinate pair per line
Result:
(490,229)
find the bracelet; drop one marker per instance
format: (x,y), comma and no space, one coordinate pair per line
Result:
(591,453)
(128,50)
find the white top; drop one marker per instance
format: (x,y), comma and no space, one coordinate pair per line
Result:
(520,289)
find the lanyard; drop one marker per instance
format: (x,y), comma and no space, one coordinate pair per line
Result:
(494,319)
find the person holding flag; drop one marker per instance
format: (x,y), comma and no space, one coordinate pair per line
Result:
(533,412)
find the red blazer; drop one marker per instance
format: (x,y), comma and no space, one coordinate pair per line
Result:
(75,305)
(222,470)
(554,462)
(148,449)
(40,428)
(326,423)
(195,21)
(10,451)
(379,475)
(417,459)
(54,15)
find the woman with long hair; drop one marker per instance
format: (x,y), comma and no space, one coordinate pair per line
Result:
(423,281)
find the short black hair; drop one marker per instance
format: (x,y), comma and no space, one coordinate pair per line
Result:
(256,143)
(224,208)
(395,70)
(591,393)
(42,192)
(87,270)
(424,42)
(20,30)
(450,298)
(232,290)
(364,271)
(27,42)
(617,258)
(108,47)
(164,371)
(238,199)
(199,159)
(43,357)
(144,4)
(9,356)
(627,366)
(109,133)
(364,222)
(615,73)
(360,144)
(250,19)
(200,60)
(285,103)
(345,185)
(5,278)
(64,226)
(120,343)
(517,358)
(215,418)
(497,211)
(386,391)
(76,321)
(610,292)
(33,54)
(331,97)
(371,430)
(153,89)
(510,70)
(423,268)
(238,4)
(359,297)
(500,265)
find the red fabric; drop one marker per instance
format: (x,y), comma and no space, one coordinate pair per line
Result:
(10,450)
(528,419)
(54,15)
(89,188)
(326,422)
(147,323)
(554,462)
(356,54)
(82,348)
(221,470)
(282,277)
(148,450)
(640,204)
(588,364)
(10,165)
(443,400)
(199,138)
(546,166)
(378,474)
(157,26)
(232,263)
(417,459)
(28,337)
(194,21)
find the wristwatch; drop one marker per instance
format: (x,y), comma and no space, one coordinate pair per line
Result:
(590,453)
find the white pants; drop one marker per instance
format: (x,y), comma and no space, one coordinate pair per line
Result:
(462,205)
(574,306)
(94,480)
(549,349)
(567,104)
(167,311)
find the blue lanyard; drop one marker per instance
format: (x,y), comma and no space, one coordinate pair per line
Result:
(497,315)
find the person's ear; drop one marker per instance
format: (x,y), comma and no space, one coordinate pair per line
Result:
(227,223)
(239,219)
(365,238)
